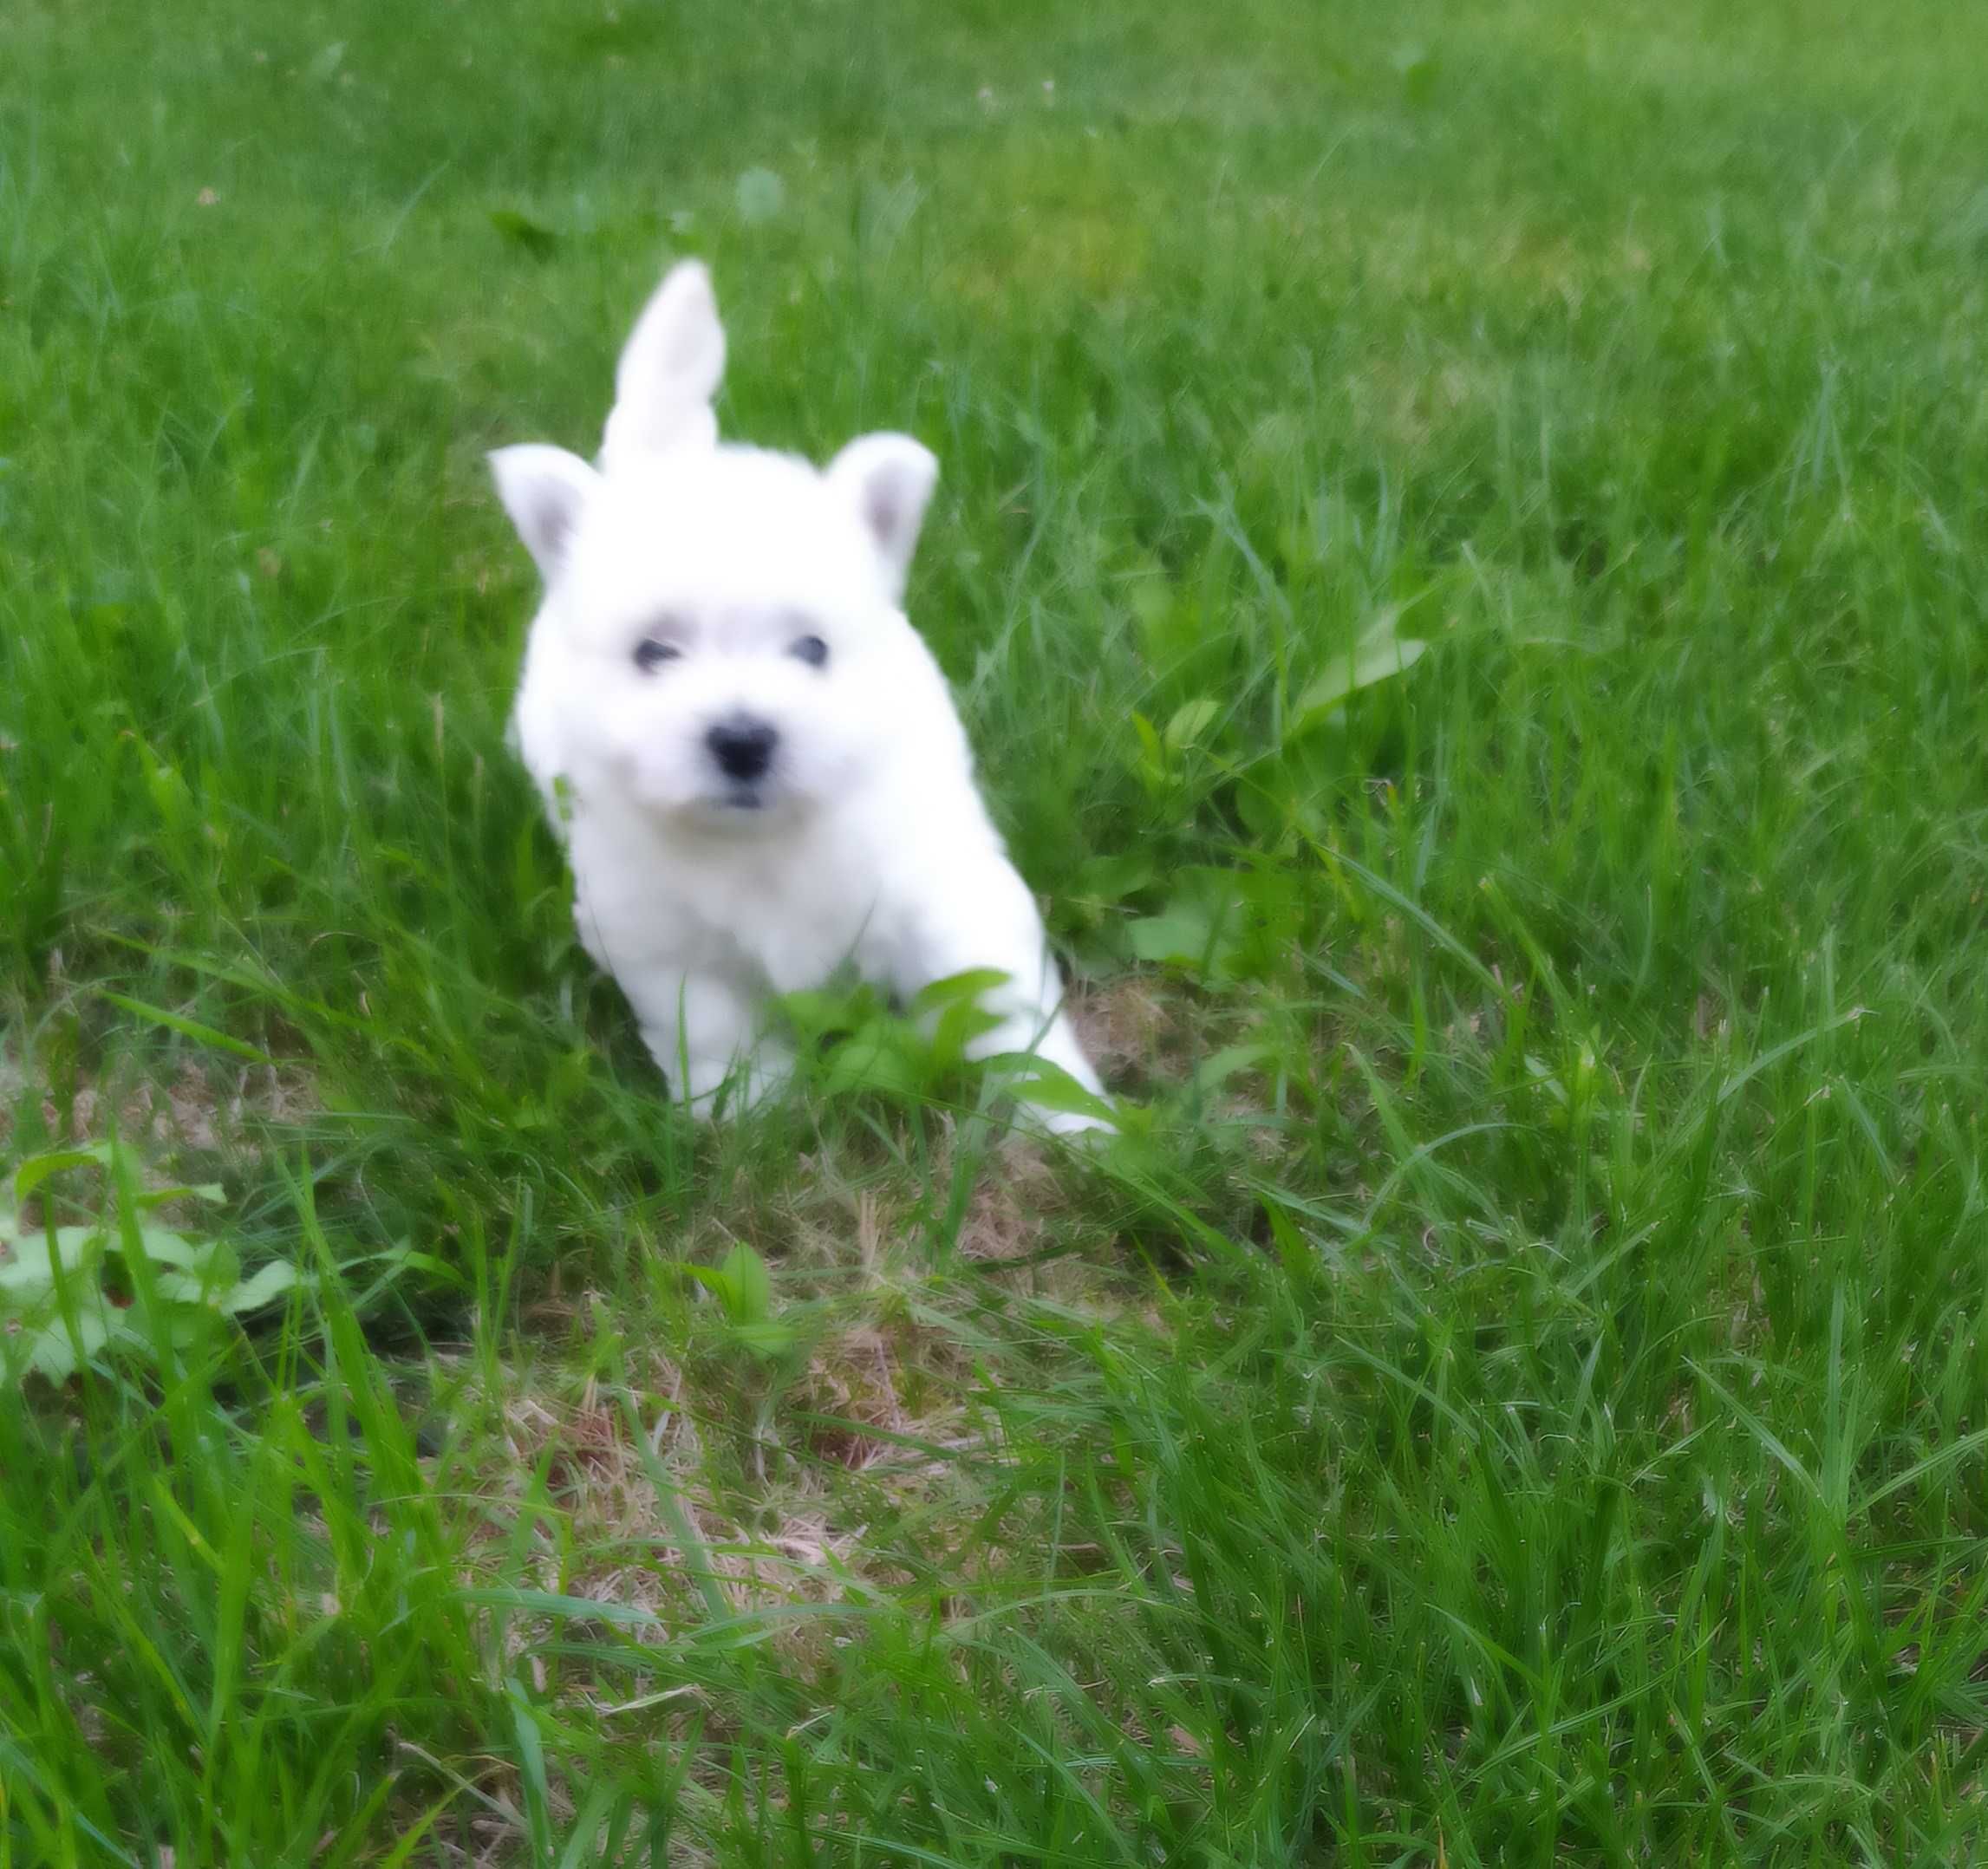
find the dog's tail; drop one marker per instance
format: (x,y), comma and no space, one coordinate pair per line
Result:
(669,373)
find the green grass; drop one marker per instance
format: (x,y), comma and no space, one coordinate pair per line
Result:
(1518,1394)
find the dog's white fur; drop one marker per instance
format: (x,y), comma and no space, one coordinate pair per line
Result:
(865,839)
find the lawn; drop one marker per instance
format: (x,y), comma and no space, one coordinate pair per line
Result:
(1516,1393)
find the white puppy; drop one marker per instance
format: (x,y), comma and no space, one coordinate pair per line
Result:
(753,756)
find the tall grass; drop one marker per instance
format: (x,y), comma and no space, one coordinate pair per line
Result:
(1516,1392)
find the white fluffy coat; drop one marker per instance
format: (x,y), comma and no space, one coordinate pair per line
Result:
(754,759)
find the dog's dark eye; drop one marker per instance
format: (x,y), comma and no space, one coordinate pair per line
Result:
(650,654)
(809,649)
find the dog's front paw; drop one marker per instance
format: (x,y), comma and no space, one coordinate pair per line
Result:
(1065,1123)
(1067,1126)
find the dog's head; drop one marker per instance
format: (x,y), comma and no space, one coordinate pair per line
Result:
(730,650)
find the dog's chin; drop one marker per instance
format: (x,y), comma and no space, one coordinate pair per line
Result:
(740,810)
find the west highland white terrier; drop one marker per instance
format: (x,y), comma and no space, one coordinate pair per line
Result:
(753,757)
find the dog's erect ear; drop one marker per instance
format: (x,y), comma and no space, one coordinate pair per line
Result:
(543,489)
(669,371)
(888,479)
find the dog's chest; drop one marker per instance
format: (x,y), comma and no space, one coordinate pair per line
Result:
(773,915)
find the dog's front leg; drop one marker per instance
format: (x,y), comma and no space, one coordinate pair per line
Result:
(992,924)
(705,1034)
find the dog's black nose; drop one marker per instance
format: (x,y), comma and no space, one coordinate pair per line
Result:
(742,747)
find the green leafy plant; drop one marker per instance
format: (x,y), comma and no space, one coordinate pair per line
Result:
(118,1287)
(855,1043)
(744,1289)
(1379,654)
(1221,925)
